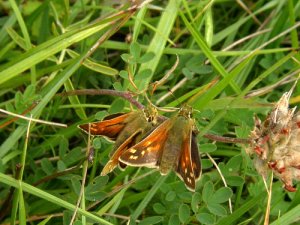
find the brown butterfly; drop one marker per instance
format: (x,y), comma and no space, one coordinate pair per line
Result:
(126,129)
(172,145)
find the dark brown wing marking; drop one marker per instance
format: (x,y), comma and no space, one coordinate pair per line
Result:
(185,167)
(196,161)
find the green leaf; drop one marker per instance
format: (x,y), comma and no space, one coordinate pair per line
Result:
(196,201)
(76,185)
(184,213)
(234,181)
(29,92)
(97,184)
(159,208)
(100,115)
(19,101)
(217,209)
(196,65)
(97,142)
(47,166)
(118,86)
(151,220)
(63,147)
(117,106)
(187,73)
(206,163)
(205,218)
(171,195)
(221,195)
(135,50)
(143,74)
(127,58)
(146,57)
(234,164)
(174,220)
(124,74)
(61,166)
(73,156)
(206,148)
(207,191)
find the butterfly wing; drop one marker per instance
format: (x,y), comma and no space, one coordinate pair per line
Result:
(188,168)
(110,127)
(148,151)
(196,161)
(114,160)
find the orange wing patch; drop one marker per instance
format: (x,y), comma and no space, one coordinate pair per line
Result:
(185,168)
(114,160)
(148,151)
(109,127)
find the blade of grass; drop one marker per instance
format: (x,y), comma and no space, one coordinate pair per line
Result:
(9,23)
(294,34)
(20,80)
(74,100)
(221,113)
(97,67)
(51,47)
(181,51)
(45,50)
(138,23)
(47,94)
(214,61)
(48,197)
(290,217)
(232,218)
(158,42)
(236,26)
(22,211)
(25,34)
(203,100)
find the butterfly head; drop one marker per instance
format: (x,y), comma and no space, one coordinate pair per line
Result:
(150,114)
(186,111)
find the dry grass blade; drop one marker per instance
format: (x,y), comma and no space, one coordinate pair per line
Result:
(33,120)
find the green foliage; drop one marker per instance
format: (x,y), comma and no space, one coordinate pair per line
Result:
(45,50)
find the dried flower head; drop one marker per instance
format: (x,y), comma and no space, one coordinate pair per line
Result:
(275,143)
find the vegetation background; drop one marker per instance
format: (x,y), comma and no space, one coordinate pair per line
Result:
(227,50)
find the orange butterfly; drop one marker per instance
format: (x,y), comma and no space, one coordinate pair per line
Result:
(170,146)
(125,129)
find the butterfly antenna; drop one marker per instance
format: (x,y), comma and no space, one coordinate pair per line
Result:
(149,101)
(174,96)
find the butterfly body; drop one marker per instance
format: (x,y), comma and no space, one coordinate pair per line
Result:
(173,145)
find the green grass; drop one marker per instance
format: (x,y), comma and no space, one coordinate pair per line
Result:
(46,48)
